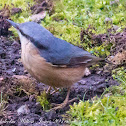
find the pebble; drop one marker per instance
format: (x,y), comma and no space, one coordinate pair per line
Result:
(23,110)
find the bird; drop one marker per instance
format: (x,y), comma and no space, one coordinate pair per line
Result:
(51,60)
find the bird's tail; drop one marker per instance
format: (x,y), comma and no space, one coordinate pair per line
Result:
(95,60)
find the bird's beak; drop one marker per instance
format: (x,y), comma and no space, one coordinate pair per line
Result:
(13,23)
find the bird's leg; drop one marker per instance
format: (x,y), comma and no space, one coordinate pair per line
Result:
(55,90)
(60,106)
(48,90)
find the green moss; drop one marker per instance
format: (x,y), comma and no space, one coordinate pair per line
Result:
(109,111)
(120,74)
(42,99)
(63,30)
(84,13)
(23,4)
(99,51)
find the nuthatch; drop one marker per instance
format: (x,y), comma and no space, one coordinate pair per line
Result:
(51,60)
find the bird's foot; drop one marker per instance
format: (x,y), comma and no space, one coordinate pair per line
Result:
(62,105)
(55,90)
(48,92)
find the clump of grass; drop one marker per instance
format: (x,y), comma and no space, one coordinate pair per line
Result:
(106,111)
(63,30)
(3,105)
(120,74)
(84,13)
(42,99)
(24,4)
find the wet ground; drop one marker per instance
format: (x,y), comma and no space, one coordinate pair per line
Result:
(19,89)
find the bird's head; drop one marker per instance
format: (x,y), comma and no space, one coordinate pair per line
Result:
(17,27)
(33,32)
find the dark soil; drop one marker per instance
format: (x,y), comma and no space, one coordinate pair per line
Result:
(42,5)
(4,25)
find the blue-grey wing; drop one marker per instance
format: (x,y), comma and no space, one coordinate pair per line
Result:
(64,53)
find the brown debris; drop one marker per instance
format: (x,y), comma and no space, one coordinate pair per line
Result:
(4,26)
(119,58)
(42,5)
(118,40)
(38,17)
(87,34)
(18,84)
(28,85)
(15,10)
(5,12)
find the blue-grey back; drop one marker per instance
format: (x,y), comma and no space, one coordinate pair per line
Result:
(54,50)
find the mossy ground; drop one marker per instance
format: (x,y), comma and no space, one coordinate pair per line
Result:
(69,18)
(109,110)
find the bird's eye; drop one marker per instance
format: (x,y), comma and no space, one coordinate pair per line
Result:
(124,61)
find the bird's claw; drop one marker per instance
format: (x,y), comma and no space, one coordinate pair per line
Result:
(64,104)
